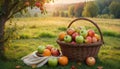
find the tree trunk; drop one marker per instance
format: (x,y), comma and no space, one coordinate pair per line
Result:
(2,50)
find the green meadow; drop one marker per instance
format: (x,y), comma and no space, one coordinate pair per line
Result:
(45,30)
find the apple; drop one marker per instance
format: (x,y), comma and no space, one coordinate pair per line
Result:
(41,49)
(52,61)
(73,42)
(70,31)
(78,29)
(67,38)
(55,52)
(91,33)
(90,61)
(37,4)
(79,39)
(27,3)
(94,39)
(73,67)
(49,47)
(41,8)
(97,36)
(88,39)
(74,35)
(84,33)
(61,36)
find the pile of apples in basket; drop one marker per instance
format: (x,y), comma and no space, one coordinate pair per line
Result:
(79,35)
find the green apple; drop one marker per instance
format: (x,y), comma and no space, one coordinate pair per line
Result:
(52,61)
(41,49)
(78,29)
(84,33)
(67,38)
(79,39)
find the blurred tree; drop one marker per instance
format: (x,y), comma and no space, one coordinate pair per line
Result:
(102,4)
(105,10)
(115,9)
(78,9)
(71,11)
(54,14)
(62,14)
(57,13)
(66,14)
(90,10)
(8,8)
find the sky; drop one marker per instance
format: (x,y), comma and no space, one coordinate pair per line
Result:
(70,1)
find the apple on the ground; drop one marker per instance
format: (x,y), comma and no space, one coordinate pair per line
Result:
(52,61)
(67,38)
(90,61)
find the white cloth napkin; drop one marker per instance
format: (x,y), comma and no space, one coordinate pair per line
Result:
(33,59)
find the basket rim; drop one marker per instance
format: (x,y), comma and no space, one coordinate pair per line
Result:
(61,43)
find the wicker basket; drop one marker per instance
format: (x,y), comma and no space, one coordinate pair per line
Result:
(79,52)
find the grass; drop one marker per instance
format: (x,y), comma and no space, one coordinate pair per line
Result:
(43,31)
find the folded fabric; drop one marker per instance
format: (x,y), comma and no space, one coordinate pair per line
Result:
(33,59)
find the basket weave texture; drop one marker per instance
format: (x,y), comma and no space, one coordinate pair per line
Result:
(79,52)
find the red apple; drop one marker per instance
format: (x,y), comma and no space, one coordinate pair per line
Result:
(73,42)
(27,3)
(91,33)
(37,4)
(55,52)
(74,35)
(70,31)
(94,39)
(49,47)
(90,61)
(73,67)
(88,39)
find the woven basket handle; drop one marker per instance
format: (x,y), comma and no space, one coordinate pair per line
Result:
(90,22)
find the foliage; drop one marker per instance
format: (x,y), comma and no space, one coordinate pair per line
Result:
(102,4)
(14,6)
(78,9)
(115,9)
(71,11)
(109,16)
(62,28)
(56,13)
(11,32)
(62,14)
(105,10)
(111,33)
(46,34)
(90,10)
